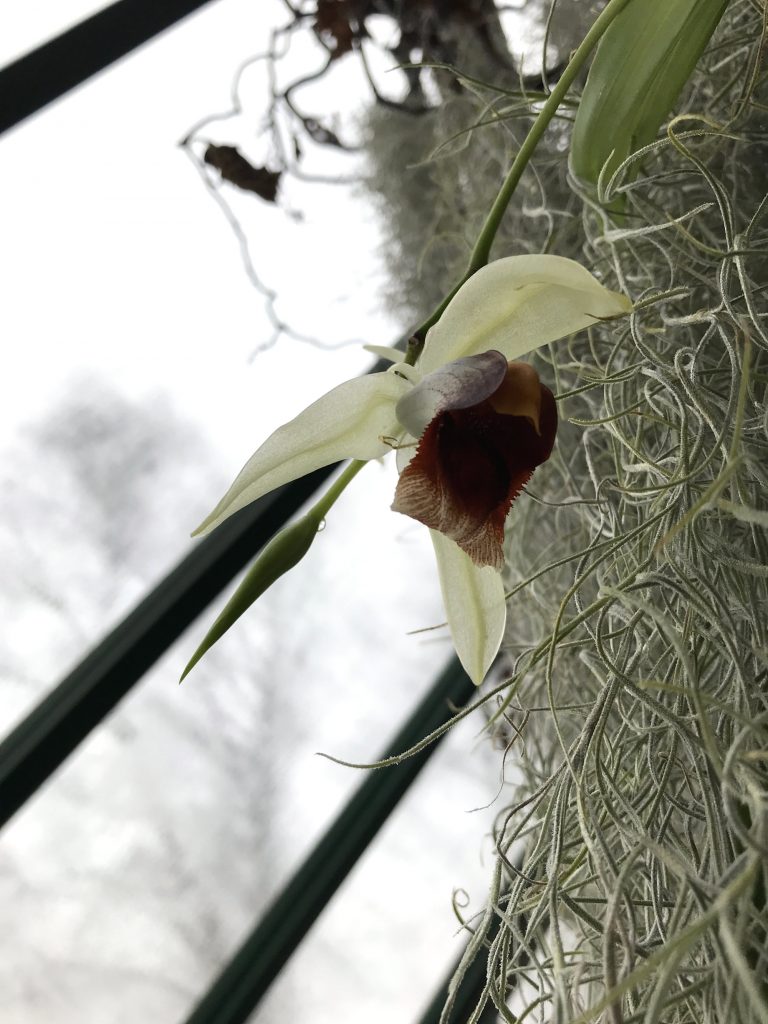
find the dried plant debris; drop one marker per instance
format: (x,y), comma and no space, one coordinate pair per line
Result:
(336,22)
(234,168)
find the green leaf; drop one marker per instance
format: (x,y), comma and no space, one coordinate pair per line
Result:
(641,65)
(284,551)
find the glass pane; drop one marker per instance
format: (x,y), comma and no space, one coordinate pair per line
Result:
(136,388)
(132,395)
(180,818)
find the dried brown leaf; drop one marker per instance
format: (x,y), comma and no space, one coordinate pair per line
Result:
(233,167)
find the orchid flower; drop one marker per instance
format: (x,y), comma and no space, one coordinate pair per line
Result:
(469,422)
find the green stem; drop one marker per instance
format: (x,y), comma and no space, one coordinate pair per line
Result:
(485,239)
(482,249)
(321,508)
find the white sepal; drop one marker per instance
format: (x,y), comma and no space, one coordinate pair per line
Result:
(346,423)
(474,604)
(515,305)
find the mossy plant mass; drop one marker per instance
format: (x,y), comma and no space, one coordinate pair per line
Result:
(632,857)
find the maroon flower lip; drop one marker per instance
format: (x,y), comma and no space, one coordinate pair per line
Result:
(473,460)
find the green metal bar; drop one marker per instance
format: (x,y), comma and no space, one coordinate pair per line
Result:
(62,720)
(243,982)
(470,990)
(49,734)
(39,77)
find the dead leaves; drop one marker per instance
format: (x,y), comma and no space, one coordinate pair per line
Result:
(233,167)
(337,24)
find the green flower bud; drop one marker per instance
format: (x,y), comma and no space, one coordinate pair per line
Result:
(284,551)
(641,65)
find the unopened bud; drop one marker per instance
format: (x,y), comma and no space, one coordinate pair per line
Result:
(284,551)
(641,65)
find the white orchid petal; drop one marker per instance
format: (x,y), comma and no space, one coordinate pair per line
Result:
(517,304)
(393,355)
(475,606)
(347,423)
(457,385)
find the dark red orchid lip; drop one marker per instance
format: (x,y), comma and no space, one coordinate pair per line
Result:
(473,461)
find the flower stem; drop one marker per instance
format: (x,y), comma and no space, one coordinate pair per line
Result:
(321,508)
(485,239)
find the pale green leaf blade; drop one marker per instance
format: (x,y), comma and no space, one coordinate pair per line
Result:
(641,66)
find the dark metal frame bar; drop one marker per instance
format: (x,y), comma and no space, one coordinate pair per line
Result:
(36,79)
